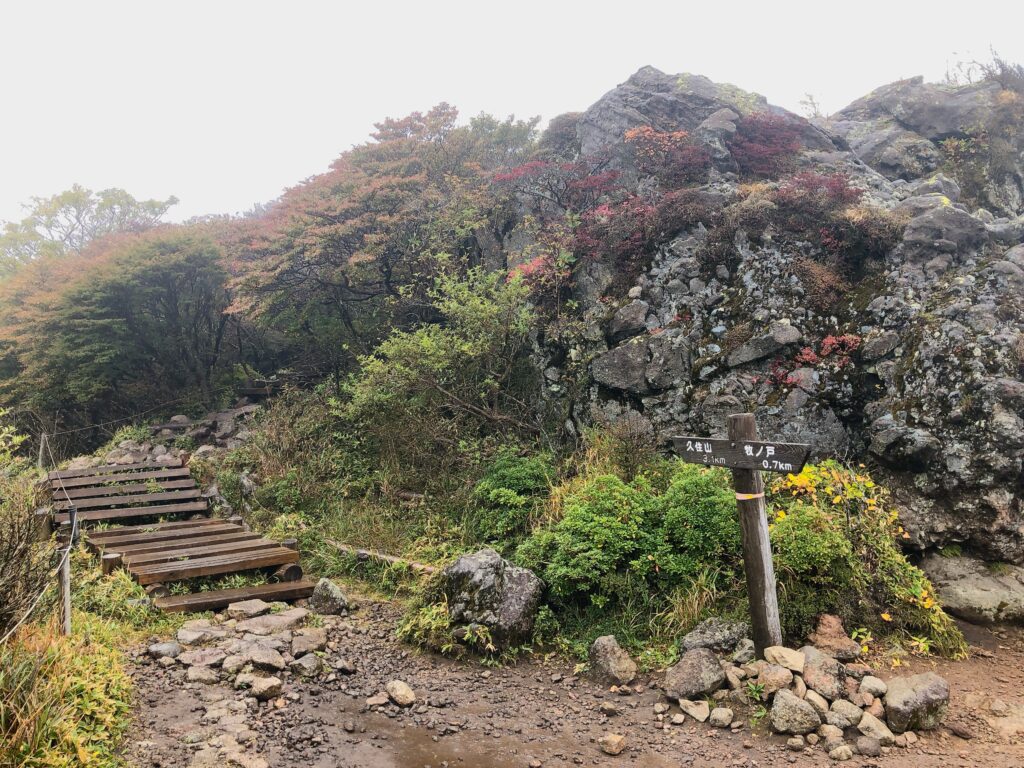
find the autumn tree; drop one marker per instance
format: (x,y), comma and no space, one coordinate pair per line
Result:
(128,322)
(350,254)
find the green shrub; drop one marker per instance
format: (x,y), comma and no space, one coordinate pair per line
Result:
(699,523)
(64,701)
(814,567)
(886,591)
(509,492)
(601,532)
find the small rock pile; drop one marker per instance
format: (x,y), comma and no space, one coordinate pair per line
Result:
(220,429)
(132,452)
(810,694)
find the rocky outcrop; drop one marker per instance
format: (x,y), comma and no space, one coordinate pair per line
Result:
(671,103)
(483,588)
(897,130)
(929,390)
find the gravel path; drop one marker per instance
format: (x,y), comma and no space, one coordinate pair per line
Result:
(534,714)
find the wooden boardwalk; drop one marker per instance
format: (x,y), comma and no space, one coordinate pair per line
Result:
(172,538)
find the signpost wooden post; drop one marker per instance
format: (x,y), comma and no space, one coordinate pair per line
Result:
(747,457)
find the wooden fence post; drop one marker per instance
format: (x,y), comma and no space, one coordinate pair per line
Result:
(65,574)
(757,548)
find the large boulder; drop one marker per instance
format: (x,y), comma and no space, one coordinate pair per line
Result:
(483,588)
(698,673)
(916,703)
(609,663)
(624,368)
(779,336)
(975,590)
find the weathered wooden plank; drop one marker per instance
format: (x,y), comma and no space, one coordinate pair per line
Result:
(742,454)
(119,514)
(212,566)
(191,552)
(178,534)
(108,469)
(112,481)
(113,490)
(133,498)
(198,540)
(130,530)
(221,598)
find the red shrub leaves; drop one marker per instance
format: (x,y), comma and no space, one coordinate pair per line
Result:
(573,186)
(621,232)
(670,155)
(818,191)
(764,144)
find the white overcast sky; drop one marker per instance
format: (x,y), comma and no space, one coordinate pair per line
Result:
(225,103)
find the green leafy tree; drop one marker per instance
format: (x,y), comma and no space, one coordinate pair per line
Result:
(428,398)
(68,221)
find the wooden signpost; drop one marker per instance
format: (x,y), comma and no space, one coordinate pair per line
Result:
(747,457)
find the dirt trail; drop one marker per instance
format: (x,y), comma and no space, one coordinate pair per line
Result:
(534,713)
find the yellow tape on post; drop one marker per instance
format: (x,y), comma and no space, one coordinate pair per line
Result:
(749,496)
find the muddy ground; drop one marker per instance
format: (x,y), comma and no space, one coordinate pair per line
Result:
(537,713)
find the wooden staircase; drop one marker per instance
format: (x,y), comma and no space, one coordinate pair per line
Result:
(165,548)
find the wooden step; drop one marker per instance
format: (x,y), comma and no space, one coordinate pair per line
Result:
(176,544)
(106,469)
(105,534)
(134,498)
(221,598)
(112,481)
(191,552)
(113,490)
(117,514)
(213,566)
(167,535)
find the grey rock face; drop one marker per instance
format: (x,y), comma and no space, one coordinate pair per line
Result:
(696,674)
(896,129)
(483,588)
(932,391)
(968,588)
(792,715)
(916,703)
(610,663)
(628,321)
(623,368)
(717,634)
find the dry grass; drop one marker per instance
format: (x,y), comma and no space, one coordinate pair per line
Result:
(24,559)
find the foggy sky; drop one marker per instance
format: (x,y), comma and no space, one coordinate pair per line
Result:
(224,103)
